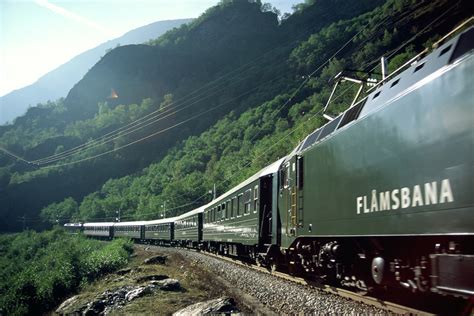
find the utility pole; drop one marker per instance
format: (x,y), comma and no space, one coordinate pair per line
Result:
(214,195)
(163,214)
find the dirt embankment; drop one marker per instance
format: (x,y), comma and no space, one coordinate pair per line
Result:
(151,288)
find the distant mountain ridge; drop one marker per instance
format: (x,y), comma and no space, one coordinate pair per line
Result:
(57,83)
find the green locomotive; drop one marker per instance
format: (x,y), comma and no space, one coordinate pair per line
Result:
(383,193)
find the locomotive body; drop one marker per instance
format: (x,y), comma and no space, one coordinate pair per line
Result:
(402,167)
(387,185)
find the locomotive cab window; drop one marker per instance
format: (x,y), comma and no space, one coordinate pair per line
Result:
(299,173)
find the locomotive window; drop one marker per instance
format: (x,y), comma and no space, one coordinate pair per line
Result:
(255,199)
(223,209)
(395,82)
(419,67)
(218,213)
(444,51)
(286,175)
(300,172)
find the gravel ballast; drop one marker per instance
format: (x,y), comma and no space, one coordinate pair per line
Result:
(277,294)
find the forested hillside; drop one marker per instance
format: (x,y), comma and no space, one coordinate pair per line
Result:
(222,97)
(58,82)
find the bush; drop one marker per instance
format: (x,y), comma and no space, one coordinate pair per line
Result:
(37,270)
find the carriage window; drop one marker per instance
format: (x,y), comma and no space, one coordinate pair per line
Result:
(218,213)
(227,209)
(255,199)
(233,208)
(240,204)
(247,201)
(223,209)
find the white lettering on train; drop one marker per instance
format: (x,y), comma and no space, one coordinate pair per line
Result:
(419,195)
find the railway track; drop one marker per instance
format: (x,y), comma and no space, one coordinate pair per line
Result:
(357,297)
(372,301)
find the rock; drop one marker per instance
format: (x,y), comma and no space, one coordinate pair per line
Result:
(169,285)
(223,305)
(67,307)
(124,271)
(138,292)
(94,308)
(156,260)
(151,277)
(119,279)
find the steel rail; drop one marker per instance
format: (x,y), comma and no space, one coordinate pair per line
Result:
(368,300)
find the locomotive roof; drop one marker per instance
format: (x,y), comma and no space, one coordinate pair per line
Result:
(418,72)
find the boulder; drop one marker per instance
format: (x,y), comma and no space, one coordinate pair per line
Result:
(94,308)
(168,285)
(223,305)
(69,306)
(138,292)
(160,259)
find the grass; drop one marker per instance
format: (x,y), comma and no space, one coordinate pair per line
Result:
(197,285)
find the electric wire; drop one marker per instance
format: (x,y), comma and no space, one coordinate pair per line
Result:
(209,86)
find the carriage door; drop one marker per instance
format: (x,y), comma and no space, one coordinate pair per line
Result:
(292,195)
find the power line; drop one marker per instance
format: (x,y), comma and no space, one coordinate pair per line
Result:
(101,139)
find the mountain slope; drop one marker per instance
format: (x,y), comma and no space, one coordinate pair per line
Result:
(236,55)
(58,82)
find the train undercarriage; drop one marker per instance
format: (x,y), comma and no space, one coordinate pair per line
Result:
(440,264)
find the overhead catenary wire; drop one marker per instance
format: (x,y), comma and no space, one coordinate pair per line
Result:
(121,132)
(149,116)
(195,116)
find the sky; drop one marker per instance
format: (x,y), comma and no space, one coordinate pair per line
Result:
(36,36)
